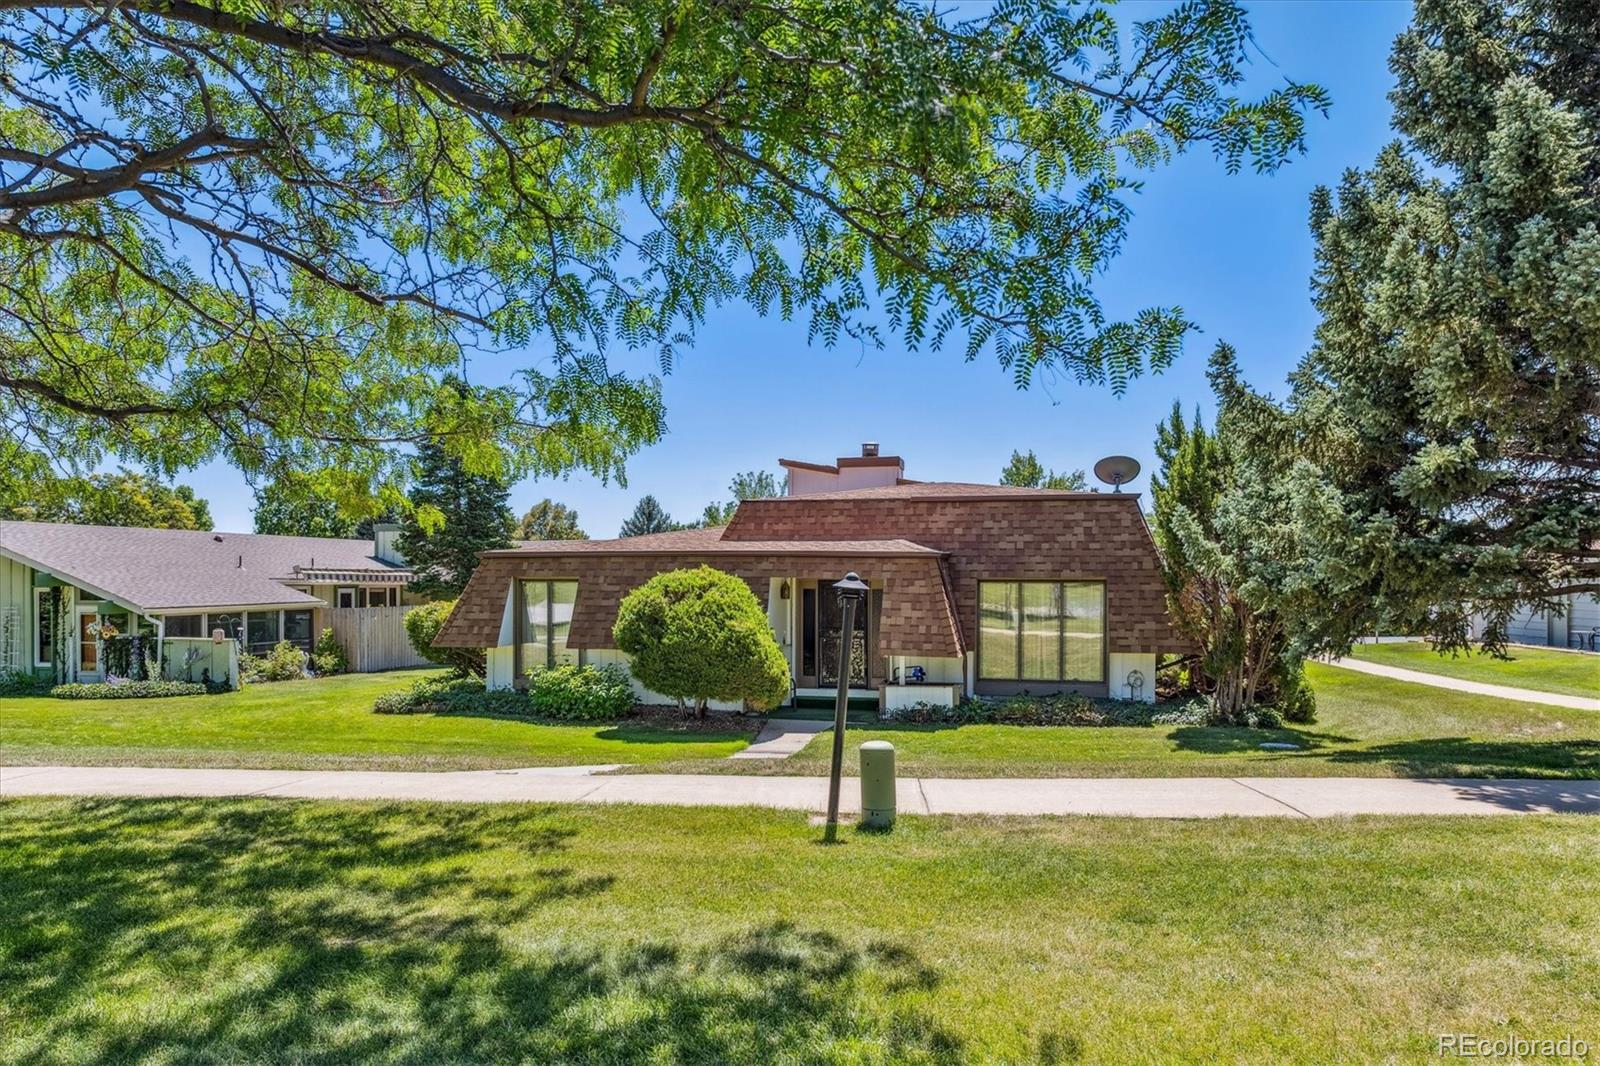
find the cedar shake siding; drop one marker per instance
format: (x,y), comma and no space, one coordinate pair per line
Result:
(917,617)
(927,545)
(992,533)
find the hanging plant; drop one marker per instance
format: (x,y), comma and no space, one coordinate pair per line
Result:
(60,636)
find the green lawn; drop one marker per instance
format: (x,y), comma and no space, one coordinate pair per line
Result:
(1366,727)
(328,724)
(1545,669)
(252,930)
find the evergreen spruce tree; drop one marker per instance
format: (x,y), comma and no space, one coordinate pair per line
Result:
(648,517)
(1449,413)
(455,514)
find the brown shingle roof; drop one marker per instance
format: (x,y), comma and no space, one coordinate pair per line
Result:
(947,490)
(711,541)
(165,569)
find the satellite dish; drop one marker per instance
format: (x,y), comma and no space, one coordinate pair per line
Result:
(1117,470)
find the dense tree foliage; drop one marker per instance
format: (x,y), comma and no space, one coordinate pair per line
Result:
(549,520)
(125,498)
(269,232)
(648,517)
(749,485)
(281,509)
(1027,472)
(1226,560)
(1449,414)
(702,635)
(455,513)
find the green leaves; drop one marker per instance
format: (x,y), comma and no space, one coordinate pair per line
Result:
(282,227)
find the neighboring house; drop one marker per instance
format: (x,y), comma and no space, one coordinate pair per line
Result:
(172,583)
(988,589)
(1577,627)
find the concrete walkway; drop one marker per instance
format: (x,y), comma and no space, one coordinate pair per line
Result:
(1505,692)
(1194,797)
(782,737)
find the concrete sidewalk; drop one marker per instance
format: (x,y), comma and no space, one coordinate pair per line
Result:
(782,737)
(1192,797)
(1481,688)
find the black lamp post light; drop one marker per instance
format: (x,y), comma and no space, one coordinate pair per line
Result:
(852,591)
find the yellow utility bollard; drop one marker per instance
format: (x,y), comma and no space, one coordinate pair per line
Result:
(877,784)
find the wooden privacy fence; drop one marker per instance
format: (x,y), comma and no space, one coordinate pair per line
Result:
(374,638)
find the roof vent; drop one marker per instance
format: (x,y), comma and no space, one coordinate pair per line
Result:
(869,449)
(218,539)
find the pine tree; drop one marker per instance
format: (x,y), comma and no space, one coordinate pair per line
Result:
(1449,411)
(454,515)
(648,517)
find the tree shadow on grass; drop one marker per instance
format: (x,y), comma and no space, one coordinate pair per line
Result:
(1464,757)
(270,930)
(1238,740)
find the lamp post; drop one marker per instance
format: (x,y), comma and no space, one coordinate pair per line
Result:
(852,591)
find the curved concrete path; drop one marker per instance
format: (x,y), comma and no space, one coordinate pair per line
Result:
(1506,692)
(1192,797)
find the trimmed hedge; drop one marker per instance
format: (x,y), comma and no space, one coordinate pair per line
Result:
(700,634)
(128,690)
(423,625)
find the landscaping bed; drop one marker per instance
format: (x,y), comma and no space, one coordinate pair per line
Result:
(253,930)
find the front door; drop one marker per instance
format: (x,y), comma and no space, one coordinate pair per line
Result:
(822,623)
(88,650)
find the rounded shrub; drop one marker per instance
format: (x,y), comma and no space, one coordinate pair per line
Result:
(422,627)
(701,635)
(581,693)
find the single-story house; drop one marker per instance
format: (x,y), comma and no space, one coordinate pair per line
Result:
(172,583)
(1578,626)
(975,589)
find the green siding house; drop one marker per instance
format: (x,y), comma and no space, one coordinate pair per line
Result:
(60,585)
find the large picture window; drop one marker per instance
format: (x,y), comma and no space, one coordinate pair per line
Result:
(1041,631)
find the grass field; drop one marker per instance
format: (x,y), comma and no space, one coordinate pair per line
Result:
(244,931)
(328,724)
(1546,670)
(1366,727)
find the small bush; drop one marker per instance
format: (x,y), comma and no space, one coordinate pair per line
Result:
(327,655)
(22,683)
(128,690)
(701,634)
(453,695)
(285,662)
(581,693)
(422,627)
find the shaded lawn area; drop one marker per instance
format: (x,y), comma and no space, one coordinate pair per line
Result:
(1542,669)
(1366,727)
(328,723)
(251,930)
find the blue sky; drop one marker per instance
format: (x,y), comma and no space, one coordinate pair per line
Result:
(1233,251)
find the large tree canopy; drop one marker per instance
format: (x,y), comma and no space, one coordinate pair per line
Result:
(269,231)
(125,498)
(1449,412)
